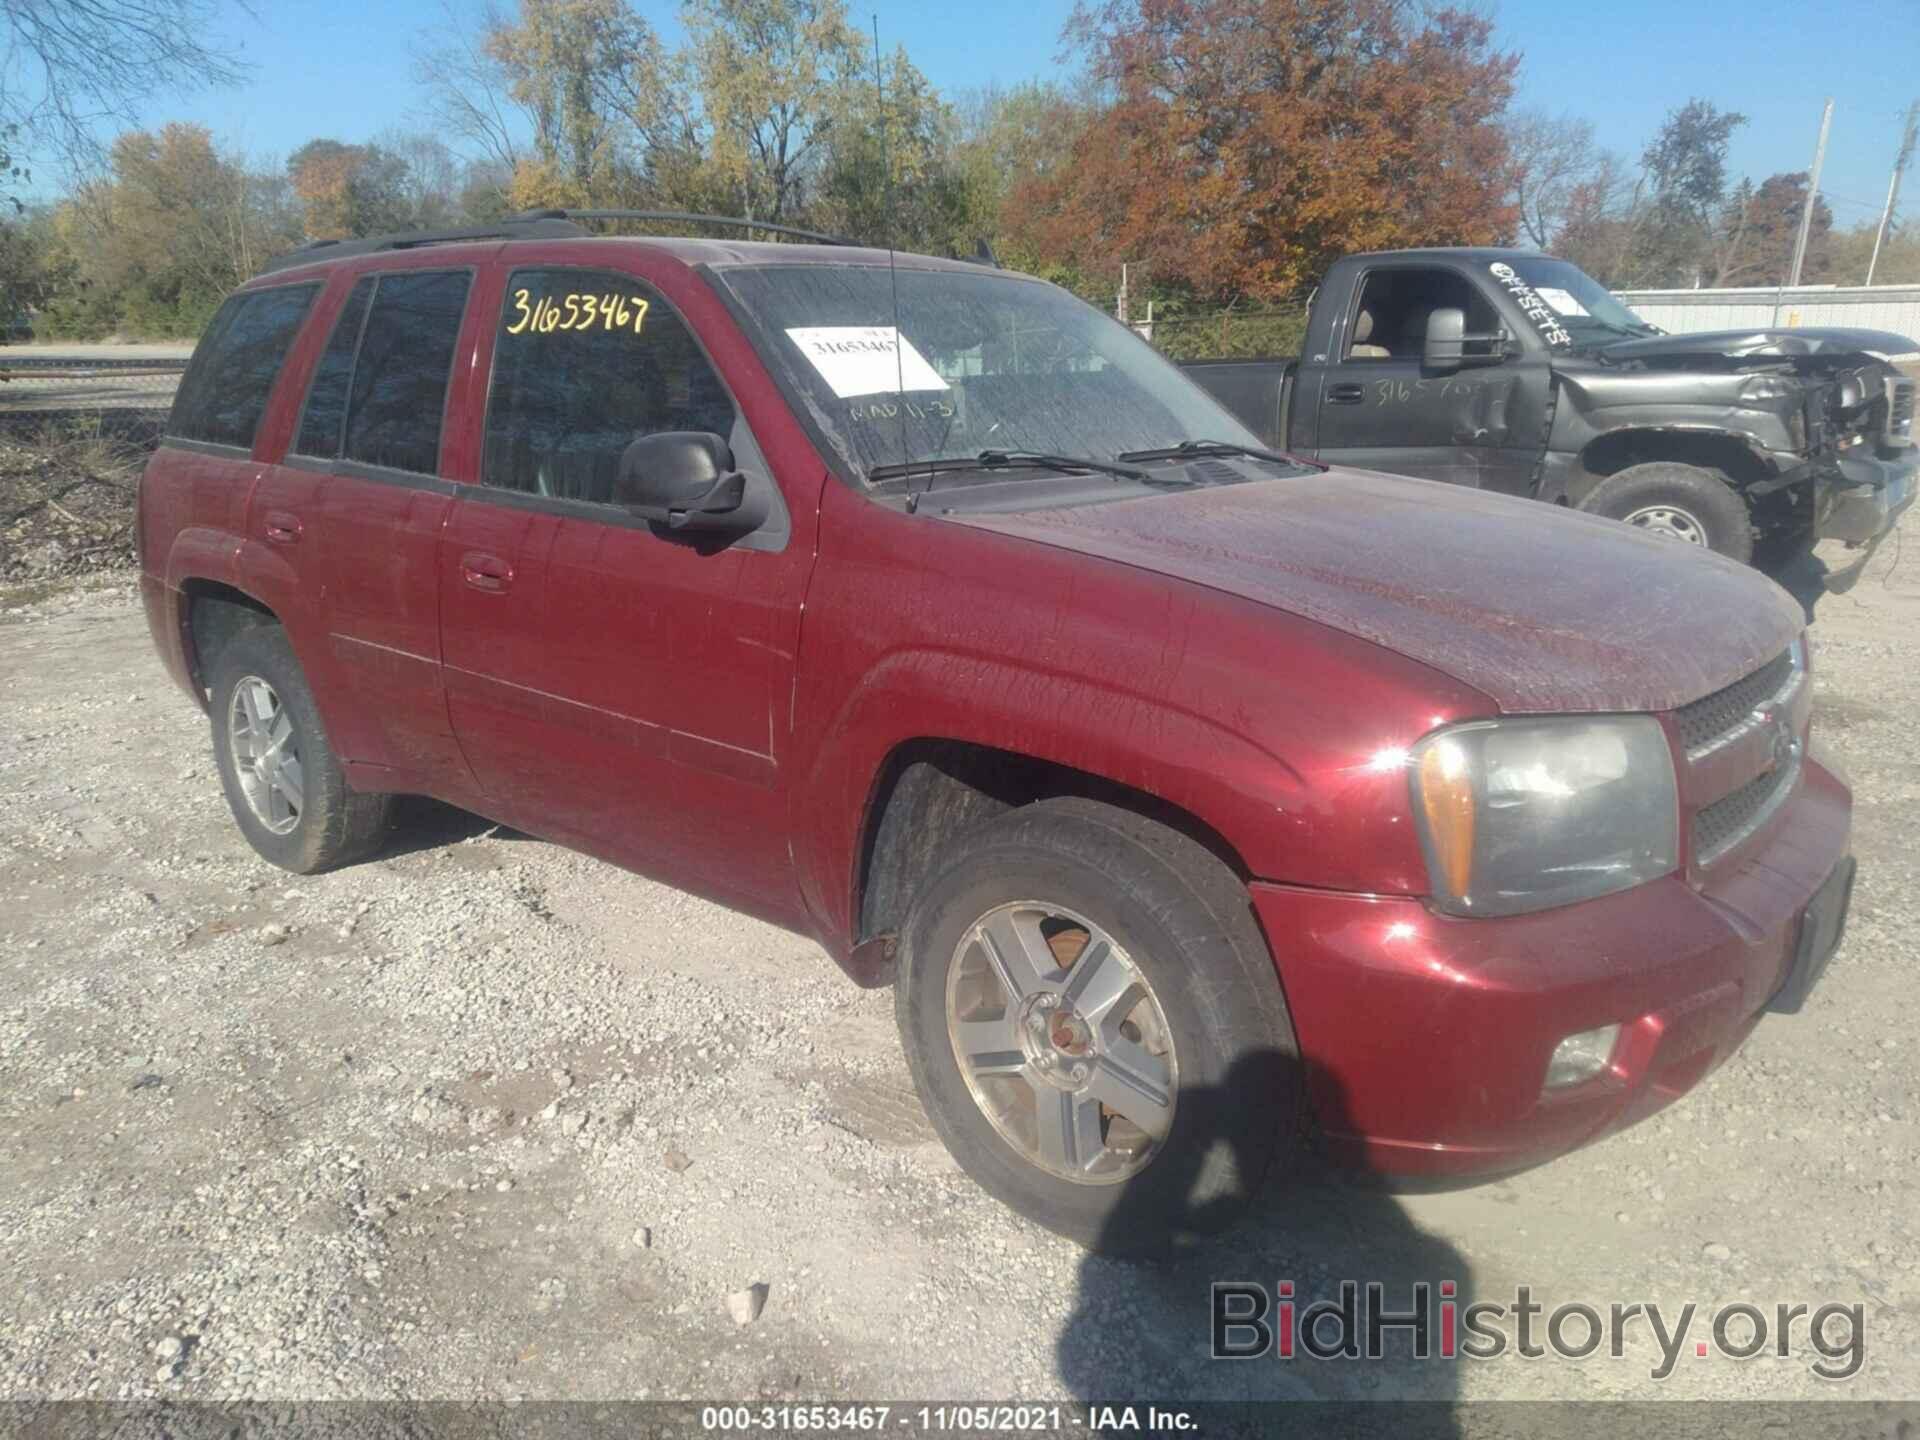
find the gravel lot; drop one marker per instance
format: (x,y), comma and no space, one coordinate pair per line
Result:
(484,1118)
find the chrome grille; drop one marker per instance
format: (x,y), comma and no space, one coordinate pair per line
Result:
(1900,411)
(1709,723)
(1718,827)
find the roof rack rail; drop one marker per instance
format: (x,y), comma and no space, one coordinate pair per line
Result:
(530,225)
(537,225)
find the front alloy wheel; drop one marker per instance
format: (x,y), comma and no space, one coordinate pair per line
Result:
(1061,1042)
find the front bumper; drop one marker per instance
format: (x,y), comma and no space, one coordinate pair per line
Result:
(1426,1038)
(1866,499)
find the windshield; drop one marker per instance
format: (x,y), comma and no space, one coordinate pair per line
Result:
(1560,296)
(989,362)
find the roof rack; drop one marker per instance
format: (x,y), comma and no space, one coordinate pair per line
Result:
(531,225)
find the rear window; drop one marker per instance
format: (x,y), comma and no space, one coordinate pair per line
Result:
(225,390)
(399,389)
(326,409)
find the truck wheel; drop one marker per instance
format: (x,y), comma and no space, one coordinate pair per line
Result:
(1683,502)
(1095,1027)
(282,779)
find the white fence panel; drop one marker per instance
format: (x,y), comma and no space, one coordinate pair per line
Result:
(1865,307)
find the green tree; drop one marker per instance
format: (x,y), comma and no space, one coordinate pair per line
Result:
(1671,232)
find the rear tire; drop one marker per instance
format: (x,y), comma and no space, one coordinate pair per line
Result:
(1196,1016)
(285,785)
(1685,502)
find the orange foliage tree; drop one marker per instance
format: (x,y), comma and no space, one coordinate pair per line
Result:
(1246,143)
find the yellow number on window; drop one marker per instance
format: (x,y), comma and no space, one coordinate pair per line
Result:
(590,308)
(639,315)
(526,315)
(573,313)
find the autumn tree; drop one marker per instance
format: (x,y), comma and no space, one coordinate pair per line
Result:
(1758,228)
(160,238)
(1249,142)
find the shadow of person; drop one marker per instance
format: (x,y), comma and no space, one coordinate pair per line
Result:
(1803,575)
(1143,1331)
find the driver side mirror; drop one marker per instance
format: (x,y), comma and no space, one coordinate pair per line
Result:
(685,480)
(1445,346)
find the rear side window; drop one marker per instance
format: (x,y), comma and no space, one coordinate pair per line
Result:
(587,362)
(326,408)
(225,390)
(398,390)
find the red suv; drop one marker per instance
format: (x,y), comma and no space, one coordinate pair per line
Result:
(1192,797)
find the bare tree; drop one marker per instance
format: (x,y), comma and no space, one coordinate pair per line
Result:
(468,90)
(69,65)
(1552,156)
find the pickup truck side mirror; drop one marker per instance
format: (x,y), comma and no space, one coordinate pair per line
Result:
(1445,347)
(685,480)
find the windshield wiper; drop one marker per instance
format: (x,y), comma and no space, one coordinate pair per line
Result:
(1006,460)
(1194,448)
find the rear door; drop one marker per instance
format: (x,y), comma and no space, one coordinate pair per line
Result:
(1381,409)
(368,445)
(611,684)
(239,514)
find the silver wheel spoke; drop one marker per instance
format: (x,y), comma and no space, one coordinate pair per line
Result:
(1132,1082)
(1069,1128)
(1099,981)
(1011,940)
(265,749)
(990,1047)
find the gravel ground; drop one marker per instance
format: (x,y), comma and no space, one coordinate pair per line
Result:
(484,1118)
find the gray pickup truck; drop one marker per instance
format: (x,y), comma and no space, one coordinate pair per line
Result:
(1513,371)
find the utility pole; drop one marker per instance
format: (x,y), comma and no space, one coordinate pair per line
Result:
(1900,162)
(1120,300)
(1806,211)
(1813,196)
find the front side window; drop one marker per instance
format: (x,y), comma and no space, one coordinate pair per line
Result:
(1390,322)
(399,391)
(585,363)
(225,390)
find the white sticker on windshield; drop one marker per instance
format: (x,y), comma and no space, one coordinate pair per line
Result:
(1561,300)
(862,359)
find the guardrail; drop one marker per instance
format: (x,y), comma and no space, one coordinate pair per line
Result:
(59,385)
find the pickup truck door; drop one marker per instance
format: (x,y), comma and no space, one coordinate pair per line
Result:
(1380,408)
(612,687)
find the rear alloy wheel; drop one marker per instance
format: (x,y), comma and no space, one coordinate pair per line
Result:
(284,784)
(1679,502)
(1095,1026)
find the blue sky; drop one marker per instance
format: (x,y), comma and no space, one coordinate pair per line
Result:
(342,69)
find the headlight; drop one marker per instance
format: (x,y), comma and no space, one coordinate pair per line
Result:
(1759,389)
(1518,815)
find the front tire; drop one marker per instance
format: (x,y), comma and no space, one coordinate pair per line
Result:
(285,785)
(1095,1027)
(1682,502)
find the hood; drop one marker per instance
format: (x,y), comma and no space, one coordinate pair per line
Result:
(1832,344)
(1537,607)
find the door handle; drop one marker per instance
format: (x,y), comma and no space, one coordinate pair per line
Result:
(281,527)
(1346,394)
(485,572)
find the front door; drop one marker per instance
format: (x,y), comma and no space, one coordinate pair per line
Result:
(1382,409)
(614,686)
